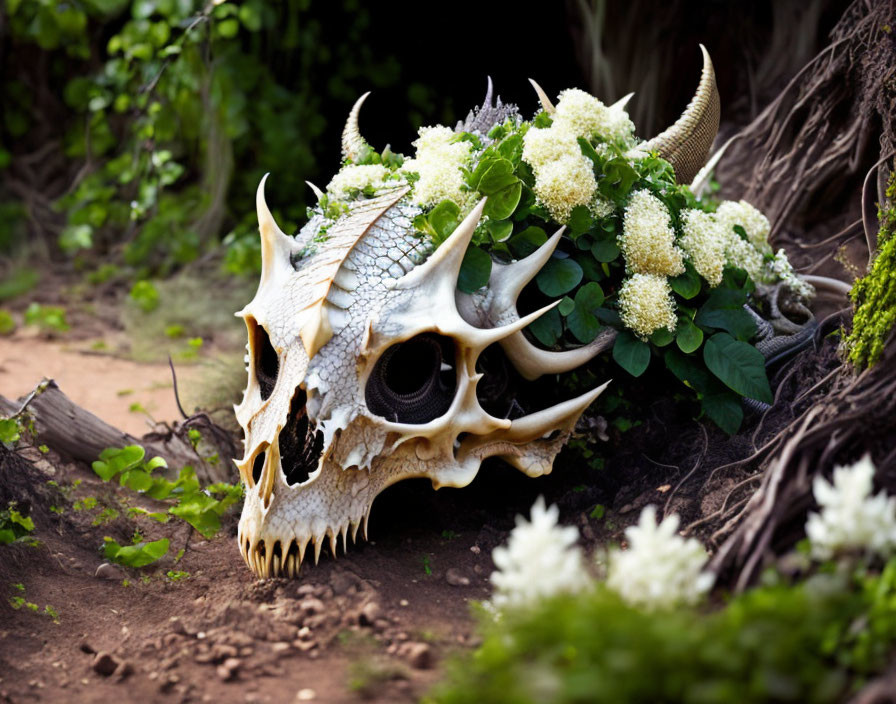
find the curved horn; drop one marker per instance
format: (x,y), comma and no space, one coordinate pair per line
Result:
(686,144)
(352,141)
(622,102)
(276,245)
(546,103)
(317,192)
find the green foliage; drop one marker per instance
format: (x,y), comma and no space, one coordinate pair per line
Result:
(201,507)
(178,111)
(11,430)
(137,555)
(874,295)
(7,322)
(47,318)
(15,527)
(809,643)
(710,354)
(145,295)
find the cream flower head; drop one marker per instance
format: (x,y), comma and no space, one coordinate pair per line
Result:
(646,304)
(648,240)
(704,242)
(438,162)
(660,569)
(352,177)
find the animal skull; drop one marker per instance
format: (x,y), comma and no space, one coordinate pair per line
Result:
(363,371)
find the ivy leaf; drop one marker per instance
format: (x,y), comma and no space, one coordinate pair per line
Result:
(738,365)
(559,276)
(548,328)
(527,241)
(631,354)
(688,336)
(582,322)
(500,205)
(725,409)
(686,285)
(474,270)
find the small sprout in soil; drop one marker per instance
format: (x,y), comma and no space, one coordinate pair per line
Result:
(427,569)
(177,575)
(43,449)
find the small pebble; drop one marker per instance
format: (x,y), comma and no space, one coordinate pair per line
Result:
(305,695)
(456,578)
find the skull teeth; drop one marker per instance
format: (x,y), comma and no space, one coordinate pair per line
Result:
(268,559)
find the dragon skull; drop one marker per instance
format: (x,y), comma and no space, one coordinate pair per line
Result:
(365,361)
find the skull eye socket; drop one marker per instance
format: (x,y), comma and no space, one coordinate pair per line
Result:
(414,381)
(266,363)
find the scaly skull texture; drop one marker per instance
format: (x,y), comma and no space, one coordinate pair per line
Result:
(363,371)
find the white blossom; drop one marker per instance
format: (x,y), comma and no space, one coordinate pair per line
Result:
(780,269)
(586,116)
(543,145)
(648,240)
(755,224)
(851,520)
(564,184)
(438,161)
(646,304)
(541,559)
(704,242)
(351,179)
(660,569)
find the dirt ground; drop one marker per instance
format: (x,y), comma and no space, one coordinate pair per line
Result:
(378,623)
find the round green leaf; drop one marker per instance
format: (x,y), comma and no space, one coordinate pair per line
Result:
(605,249)
(686,285)
(527,241)
(548,328)
(566,306)
(688,336)
(559,276)
(475,270)
(738,365)
(498,177)
(501,205)
(631,354)
(582,322)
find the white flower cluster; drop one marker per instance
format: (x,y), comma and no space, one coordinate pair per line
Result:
(540,560)
(438,162)
(704,243)
(564,177)
(646,304)
(711,242)
(351,179)
(660,569)
(648,239)
(586,116)
(851,519)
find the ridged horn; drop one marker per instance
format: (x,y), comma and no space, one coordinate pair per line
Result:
(352,141)
(445,262)
(276,245)
(686,143)
(546,103)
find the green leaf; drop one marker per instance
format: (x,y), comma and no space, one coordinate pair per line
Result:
(738,365)
(580,221)
(527,241)
(724,310)
(548,328)
(475,270)
(725,409)
(688,336)
(567,305)
(605,249)
(559,276)
(631,354)
(444,219)
(138,555)
(686,285)
(498,177)
(582,322)
(662,337)
(501,205)
(499,230)
(114,460)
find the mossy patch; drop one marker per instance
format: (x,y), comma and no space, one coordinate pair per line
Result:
(874,295)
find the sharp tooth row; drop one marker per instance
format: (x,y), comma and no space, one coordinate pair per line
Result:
(266,562)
